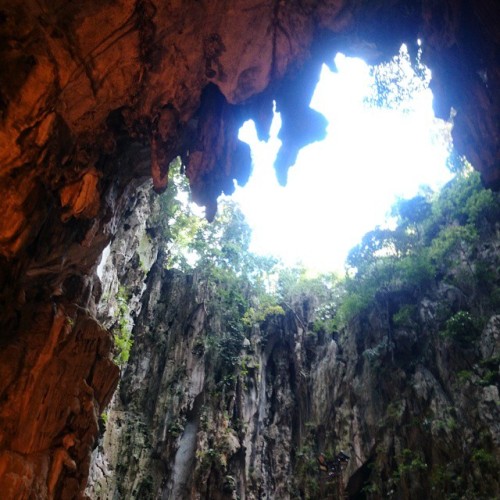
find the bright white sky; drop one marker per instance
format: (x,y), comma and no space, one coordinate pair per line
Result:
(344,186)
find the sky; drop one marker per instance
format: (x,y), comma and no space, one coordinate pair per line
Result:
(343,186)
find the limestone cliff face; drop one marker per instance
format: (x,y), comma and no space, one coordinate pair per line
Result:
(181,426)
(417,414)
(95,97)
(417,422)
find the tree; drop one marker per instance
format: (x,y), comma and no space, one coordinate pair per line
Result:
(397,82)
(410,215)
(436,235)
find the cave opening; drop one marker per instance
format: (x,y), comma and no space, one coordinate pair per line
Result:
(383,143)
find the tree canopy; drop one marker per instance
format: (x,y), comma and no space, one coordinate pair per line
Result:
(434,236)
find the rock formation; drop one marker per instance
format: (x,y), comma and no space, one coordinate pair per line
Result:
(97,96)
(416,414)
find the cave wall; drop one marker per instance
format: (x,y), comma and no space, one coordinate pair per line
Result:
(417,414)
(96,97)
(180,425)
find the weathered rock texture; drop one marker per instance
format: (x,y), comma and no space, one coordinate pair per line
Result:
(95,95)
(178,428)
(417,414)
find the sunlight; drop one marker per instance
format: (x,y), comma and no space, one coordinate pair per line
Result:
(344,186)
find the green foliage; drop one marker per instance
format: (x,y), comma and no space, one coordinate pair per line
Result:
(490,371)
(320,294)
(209,458)
(306,472)
(444,480)
(122,332)
(410,462)
(484,459)
(371,488)
(412,212)
(464,375)
(145,488)
(462,328)
(449,425)
(415,271)
(453,242)
(374,245)
(437,236)
(355,303)
(179,223)
(405,316)
(296,283)
(228,354)
(395,411)
(229,484)
(260,314)
(236,281)
(464,201)
(176,428)
(243,289)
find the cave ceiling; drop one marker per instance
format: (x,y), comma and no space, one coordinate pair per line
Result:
(96,97)
(82,82)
